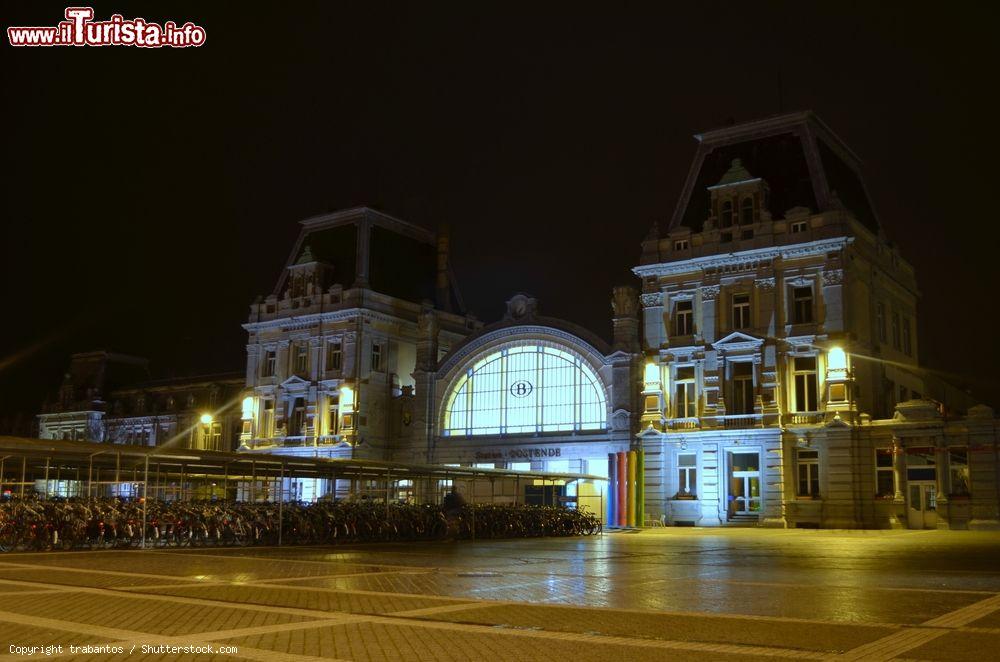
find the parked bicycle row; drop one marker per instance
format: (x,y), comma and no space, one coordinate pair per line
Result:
(111,523)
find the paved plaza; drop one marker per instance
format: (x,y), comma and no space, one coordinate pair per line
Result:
(735,594)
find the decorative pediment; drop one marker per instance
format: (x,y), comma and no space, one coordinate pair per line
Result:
(295,383)
(737,341)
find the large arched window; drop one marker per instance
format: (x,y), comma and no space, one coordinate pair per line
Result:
(525,389)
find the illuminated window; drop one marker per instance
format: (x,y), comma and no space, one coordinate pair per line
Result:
(333,421)
(741,311)
(526,389)
(804,369)
(683,318)
(807,469)
(685,401)
(958,467)
(267,418)
(334,356)
(746,212)
(802,304)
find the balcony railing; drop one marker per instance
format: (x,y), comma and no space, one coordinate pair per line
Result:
(683,423)
(806,417)
(741,421)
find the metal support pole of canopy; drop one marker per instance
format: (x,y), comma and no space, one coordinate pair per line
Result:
(24,469)
(145,499)
(281,503)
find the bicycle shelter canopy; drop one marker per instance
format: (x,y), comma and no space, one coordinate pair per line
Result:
(26,462)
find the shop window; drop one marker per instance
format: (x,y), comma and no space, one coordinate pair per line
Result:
(741,388)
(685,402)
(885,483)
(958,468)
(802,304)
(804,373)
(807,471)
(683,318)
(687,475)
(741,311)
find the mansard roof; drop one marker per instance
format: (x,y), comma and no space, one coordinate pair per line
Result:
(803,162)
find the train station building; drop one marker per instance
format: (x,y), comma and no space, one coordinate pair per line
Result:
(762,371)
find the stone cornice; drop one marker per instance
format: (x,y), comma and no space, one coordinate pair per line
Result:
(819,247)
(302,322)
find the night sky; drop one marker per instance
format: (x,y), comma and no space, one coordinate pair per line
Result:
(155,193)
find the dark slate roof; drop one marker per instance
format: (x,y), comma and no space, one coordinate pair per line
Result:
(803,162)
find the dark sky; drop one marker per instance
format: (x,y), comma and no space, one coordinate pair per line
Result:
(155,193)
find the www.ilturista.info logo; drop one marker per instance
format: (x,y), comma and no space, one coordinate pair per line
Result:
(79,29)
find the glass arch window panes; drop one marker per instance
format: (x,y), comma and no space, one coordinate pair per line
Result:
(525,389)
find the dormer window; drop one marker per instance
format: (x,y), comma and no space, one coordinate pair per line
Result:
(799,226)
(726,219)
(681,245)
(746,212)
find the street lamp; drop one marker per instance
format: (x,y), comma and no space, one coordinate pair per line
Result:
(206,421)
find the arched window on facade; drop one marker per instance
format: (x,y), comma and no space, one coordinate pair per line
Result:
(525,389)
(746,212)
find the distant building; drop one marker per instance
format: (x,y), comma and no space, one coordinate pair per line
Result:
(108,397)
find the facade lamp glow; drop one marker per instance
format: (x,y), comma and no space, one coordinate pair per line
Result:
(206,419)
(247,408)
(346,398)
(836,363)
(652,373)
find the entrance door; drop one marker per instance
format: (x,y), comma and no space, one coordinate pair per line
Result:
(921,505)
(744,483)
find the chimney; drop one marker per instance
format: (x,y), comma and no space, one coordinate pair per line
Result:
(442,290)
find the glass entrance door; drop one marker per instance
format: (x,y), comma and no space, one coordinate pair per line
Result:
(744,483)
(921,505)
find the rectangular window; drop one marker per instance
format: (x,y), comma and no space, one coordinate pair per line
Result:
(880,320)
(333,415)
(907,339)
(807,470)
(804,369)
(301,359)
(741,311)
(920,464)
(376,357)
(213,439)
(895,330)
(267,418)
(802,304)
(687,474)
(958,468)
(741,388)
(684,318)
(885,484)
(334,356)
(681,245)
(903,394)
(267,366)
(799,226)
(685,403)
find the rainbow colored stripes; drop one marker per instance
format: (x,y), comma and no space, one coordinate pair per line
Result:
(626,493)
